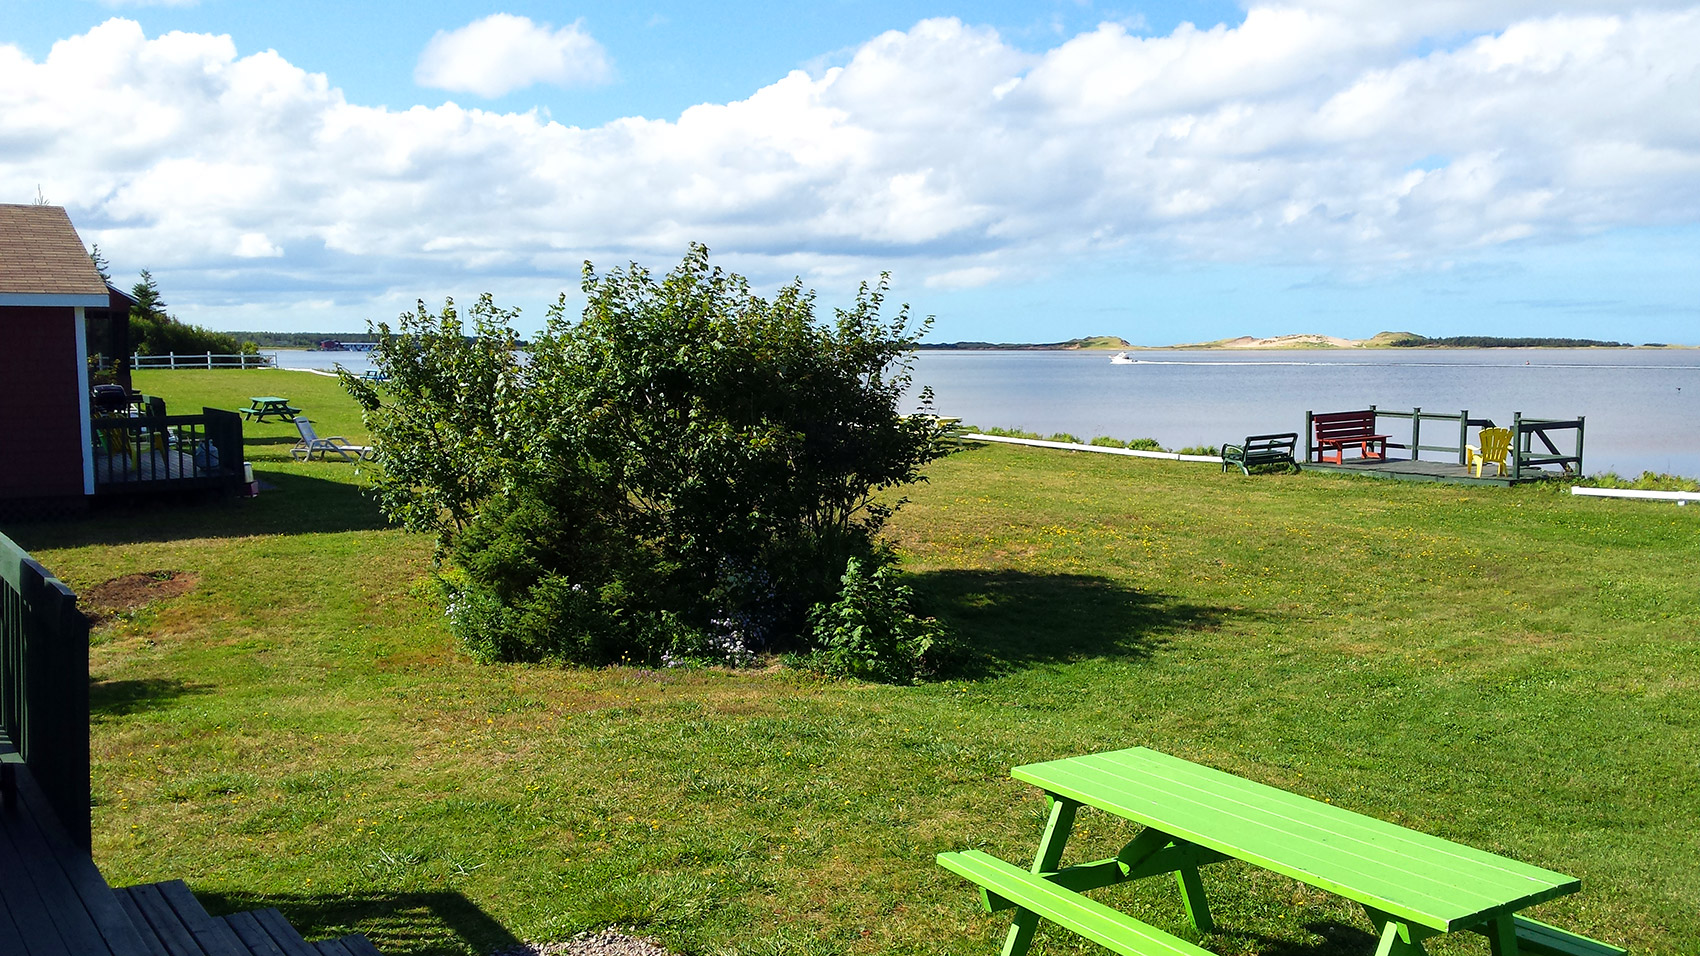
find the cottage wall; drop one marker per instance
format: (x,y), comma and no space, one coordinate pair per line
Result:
(40,410)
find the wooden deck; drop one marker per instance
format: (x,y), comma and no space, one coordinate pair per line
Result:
(54,902)
(1407,470)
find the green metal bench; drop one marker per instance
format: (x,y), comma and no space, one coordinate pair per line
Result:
(1257,450)
(1411,885)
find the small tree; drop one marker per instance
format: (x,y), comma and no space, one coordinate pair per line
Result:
(148,307)
(100,264)
(440,419)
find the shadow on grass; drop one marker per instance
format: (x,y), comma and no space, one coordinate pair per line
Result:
(1008,620)
(1338,939)
(117,698)
(287,504)
(398,924)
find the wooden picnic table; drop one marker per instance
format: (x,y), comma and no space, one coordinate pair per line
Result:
(1411,885)
(261,406)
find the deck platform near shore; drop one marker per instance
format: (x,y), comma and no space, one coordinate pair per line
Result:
(1404,469)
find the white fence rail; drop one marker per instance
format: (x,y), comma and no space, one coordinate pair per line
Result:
(1680,497)
(1097,449)
(203,360)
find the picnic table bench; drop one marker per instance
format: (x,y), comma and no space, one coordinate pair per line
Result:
(1336,430)
(1411,885)
(1256,450)
(262,406)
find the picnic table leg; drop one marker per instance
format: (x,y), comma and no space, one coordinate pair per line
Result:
(1396,936)
(1502,936)
(1046,860)
(1192,897)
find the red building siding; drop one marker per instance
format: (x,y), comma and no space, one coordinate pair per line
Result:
(40,405)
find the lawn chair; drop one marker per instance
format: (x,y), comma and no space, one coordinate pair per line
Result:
(311,444)
(1496,444)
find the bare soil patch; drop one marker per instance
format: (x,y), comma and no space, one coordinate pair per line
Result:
(133,592)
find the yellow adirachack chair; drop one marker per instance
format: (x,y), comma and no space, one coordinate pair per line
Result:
(1496,444)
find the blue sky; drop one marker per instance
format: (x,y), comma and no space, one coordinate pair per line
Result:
(1026,171)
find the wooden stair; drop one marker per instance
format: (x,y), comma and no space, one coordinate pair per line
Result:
(173,923)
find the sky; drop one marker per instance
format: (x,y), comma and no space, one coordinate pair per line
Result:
(1025,171)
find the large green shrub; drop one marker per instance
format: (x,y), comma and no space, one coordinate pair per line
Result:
(685,465)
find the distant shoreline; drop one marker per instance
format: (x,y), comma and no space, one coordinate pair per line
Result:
(1303,341)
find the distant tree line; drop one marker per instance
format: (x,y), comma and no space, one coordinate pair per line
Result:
(303,340)
(1499,342)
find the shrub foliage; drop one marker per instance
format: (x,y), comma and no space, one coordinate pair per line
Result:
(685,465)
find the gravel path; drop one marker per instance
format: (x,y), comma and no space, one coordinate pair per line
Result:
(606,943)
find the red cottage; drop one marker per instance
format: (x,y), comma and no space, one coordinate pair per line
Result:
(48,284)
(55,312)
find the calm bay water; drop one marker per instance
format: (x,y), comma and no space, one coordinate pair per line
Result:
(1642,405)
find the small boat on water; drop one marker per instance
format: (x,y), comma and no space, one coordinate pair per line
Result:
(1121,358)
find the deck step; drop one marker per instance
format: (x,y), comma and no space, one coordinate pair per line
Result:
(266,933)
(173,923)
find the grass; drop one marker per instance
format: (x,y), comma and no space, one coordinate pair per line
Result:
(1511,668)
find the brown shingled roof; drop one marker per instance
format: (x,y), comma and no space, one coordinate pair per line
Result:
(41,253)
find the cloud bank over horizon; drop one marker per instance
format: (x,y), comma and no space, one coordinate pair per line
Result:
(1357,138)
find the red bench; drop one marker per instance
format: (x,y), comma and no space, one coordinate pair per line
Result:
(1336,430)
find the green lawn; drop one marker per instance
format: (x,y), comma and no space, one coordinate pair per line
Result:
(1511,668)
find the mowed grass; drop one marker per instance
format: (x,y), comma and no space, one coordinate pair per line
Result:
(1511,668)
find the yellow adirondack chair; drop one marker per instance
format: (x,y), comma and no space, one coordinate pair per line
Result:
(1496,444)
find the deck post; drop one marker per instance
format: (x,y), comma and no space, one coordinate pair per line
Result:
(1309,435)
(1463,434)
(1517,442)
(1416,433)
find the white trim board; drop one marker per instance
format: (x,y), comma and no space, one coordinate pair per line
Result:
(56,299)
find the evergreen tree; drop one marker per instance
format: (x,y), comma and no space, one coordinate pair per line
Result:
(146,293)
(100,264)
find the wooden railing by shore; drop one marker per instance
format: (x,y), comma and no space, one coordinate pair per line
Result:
(1526,433)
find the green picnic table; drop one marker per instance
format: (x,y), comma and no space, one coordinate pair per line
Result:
(1411,885)
(261,406)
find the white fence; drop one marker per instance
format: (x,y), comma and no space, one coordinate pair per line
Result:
(203,360)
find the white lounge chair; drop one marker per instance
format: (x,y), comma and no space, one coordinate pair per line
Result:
(311,444)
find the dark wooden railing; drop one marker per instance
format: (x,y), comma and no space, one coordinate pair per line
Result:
(148,452)
(44,685)
(1526,434)
(1527,431)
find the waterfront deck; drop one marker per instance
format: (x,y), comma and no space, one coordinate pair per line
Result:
(1403,469)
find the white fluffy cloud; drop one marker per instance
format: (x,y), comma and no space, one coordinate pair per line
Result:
(502,53)
(1306,134)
